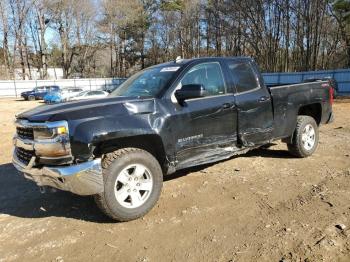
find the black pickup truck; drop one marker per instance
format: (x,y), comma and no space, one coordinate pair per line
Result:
(165,118)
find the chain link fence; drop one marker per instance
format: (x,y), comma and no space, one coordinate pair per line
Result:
(342,77)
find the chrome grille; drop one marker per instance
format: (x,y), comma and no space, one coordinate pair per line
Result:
(25,132)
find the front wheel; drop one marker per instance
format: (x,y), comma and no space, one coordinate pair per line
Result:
(31,98)
(133,182)
(305,137)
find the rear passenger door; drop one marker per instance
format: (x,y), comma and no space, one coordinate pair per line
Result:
(253,101)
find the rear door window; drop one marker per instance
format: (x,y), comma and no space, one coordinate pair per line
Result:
(244,76)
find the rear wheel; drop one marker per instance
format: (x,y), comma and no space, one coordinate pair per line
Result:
(305,137)
(133,181)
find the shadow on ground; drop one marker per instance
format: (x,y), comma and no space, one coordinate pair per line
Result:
(22,198)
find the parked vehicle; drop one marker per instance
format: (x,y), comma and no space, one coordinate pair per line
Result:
(110,89)
(163,119)
(89,95)
(39,92)
(62,95)
(68,93)
(115,84)
(52,98)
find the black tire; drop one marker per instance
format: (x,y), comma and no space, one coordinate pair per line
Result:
(112,165)
(31,98)
(297,147)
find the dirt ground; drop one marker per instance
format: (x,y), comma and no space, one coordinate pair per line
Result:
(263,206)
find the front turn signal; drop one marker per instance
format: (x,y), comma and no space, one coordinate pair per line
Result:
(61,130)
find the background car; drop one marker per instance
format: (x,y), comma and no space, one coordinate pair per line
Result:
(89,95)
(110,89)
(67,93)
(62,95)
(52,97)
(115,84)
(39,92)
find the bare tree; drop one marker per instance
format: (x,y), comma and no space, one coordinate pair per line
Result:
(119,37)
(19,10)
(41,21)
(5,32)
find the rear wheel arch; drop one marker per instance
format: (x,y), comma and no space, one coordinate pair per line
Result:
(312,110)
(304,142)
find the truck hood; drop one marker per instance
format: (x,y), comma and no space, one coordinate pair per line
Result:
(110,106)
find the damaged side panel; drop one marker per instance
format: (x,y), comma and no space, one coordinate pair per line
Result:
(137,120)
(199,131)
(255,117)
(288,100)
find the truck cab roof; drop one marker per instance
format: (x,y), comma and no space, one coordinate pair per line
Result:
(184,62)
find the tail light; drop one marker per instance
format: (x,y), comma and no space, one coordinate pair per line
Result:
(331,93)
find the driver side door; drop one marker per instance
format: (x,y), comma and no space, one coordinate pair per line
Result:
(205,128)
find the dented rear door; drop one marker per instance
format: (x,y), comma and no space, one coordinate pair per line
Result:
(253,100)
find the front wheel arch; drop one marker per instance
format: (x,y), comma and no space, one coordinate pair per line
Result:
(152,143)
(113,165)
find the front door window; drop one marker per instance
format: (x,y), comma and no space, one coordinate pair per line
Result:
(209,75)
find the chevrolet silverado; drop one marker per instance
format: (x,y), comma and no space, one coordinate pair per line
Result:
(165,118)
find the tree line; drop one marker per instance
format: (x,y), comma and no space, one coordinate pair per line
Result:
(99,38)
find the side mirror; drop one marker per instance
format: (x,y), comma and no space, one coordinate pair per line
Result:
(190,91)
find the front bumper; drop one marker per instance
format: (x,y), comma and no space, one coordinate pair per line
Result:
(81,179)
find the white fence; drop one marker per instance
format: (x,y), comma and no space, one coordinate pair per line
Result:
(13,88)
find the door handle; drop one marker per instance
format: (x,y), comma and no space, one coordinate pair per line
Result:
(227,105)
(263,99)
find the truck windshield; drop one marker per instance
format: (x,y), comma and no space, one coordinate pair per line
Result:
(146,83)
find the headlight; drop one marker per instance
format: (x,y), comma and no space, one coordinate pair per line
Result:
(51,131)
(43,133)
(52,140)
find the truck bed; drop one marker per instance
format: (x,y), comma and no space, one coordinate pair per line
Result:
(288,100)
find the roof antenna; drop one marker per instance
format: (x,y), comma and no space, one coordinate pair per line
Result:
(178,59)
